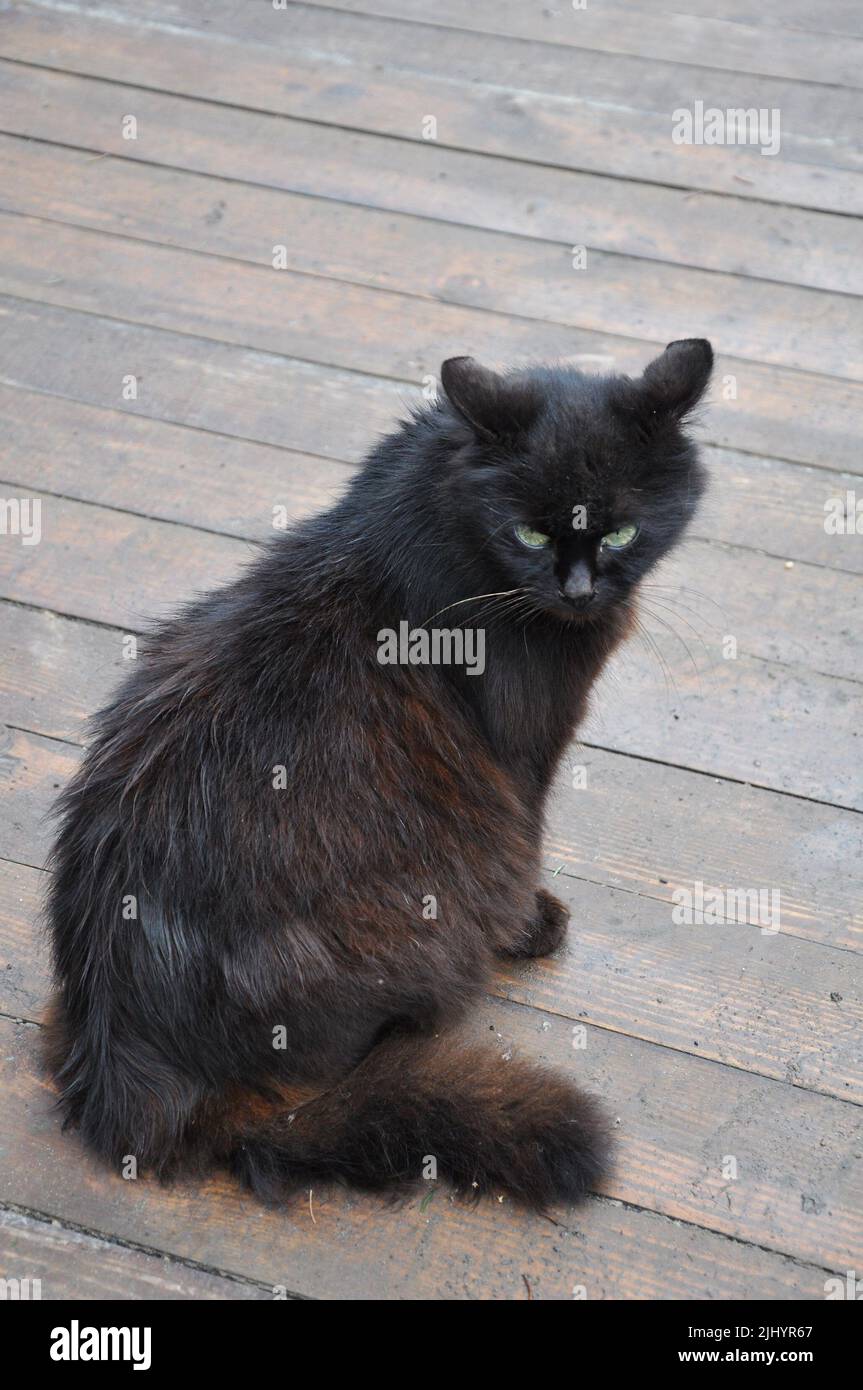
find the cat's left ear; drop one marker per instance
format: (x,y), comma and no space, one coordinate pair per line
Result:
(675,382)
(496,407)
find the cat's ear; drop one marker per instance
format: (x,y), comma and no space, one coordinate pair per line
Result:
(495,406)
(675,382)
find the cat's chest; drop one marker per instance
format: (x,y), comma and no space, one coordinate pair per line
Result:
(529,711)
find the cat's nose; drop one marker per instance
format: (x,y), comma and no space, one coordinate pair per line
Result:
(579,587)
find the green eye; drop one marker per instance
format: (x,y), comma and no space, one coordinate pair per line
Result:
(616,540)
(534,540)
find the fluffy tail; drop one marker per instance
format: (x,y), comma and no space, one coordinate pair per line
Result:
(490,1126)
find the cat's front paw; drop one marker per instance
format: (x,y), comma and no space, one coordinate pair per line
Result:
(546,931)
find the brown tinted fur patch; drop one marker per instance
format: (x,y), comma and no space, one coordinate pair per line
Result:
(54,1038)
(294,904)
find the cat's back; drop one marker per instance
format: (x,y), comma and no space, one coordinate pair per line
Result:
(259,735)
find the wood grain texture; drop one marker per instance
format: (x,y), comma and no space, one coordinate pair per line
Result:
(25,968)
(33,771)
(264,397)
(763,723)
(238,392)
(263,148)
(72,1265)
(582,110)
(57,573)
(840,17)
(707,40)
(770,1004)
(378,221)
(835,17)
(729,1055)
(56,673)
(654,830)
(535,306)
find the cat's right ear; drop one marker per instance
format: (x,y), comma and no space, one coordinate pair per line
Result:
(675,381)
(496,407)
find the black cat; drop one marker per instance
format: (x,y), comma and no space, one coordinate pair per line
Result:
(288,861)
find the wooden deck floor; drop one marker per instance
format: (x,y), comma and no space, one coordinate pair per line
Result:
(730,1055)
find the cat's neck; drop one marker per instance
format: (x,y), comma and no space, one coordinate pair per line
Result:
(535,690)
(402,550)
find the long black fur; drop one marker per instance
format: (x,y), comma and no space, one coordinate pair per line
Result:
(245,972)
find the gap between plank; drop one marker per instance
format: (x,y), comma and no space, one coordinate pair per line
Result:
(550,43)
(407,140)
(121,1243)
(355,463)
(371,289)
(741,276)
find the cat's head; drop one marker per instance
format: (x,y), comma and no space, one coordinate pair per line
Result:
(571,487)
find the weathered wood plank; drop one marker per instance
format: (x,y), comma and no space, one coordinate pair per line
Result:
(53,669)
(771,506)
(372,233)
(332,322)
(705,830)
(832,17)
(147,567)
(337,413)
(767,725)
(295,63)
(71,1265)
(242,393)
(176,473)
(697,830)
(708,40)
(767,1003)
(836,17)
(254,145)
(360,1248)
(187,475)
(429,50)
(25,967)
(58,573)
(32,774)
